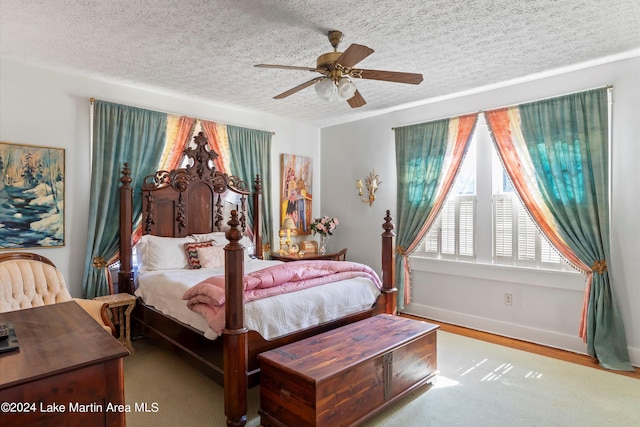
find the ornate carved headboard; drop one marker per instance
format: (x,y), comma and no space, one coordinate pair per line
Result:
(193,199)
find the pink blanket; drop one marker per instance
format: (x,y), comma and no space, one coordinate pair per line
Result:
(208,297)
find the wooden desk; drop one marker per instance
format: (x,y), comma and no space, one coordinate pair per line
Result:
(332,256)
(68,370)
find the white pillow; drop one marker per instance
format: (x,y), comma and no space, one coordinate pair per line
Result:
(216,236)
(211,256)
(162,253)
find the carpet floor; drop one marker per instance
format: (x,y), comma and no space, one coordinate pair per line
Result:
(480,384)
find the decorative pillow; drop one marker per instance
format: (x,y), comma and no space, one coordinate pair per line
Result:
(211,256)
(191,249)
(219,239)
(162,253)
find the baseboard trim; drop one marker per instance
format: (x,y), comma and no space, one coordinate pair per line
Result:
(542,337)
(511,330)
(634,356)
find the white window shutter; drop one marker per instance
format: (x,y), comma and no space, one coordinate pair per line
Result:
(547,252)
(466,221)
(526,236)
(503,226)
(448,227)
(430,241)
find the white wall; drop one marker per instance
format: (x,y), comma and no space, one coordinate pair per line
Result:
(42,107)
(546,308)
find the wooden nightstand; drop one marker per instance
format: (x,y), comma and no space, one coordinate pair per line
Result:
(120,301)
(332,256)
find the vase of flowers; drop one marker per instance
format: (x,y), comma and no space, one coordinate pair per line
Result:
(325,227)
(323,244)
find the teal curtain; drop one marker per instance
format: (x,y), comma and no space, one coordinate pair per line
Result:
(428,157)
(250,155)
(120,134)
(567,140)
(420,153)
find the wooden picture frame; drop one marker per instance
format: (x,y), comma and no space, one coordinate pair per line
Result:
(31,196)
(296,191)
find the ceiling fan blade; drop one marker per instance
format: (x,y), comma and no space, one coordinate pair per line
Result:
(356,100)
(298,88)
(354,54)
(285,67)
(388,76)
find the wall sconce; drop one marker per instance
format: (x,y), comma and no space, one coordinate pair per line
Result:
(371,183)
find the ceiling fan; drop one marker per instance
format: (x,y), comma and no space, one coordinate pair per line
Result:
(337,71)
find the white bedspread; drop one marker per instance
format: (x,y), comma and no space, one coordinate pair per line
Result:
(271,317)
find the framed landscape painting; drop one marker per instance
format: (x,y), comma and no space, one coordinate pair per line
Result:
(31,196)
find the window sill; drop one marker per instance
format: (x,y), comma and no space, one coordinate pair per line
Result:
(504,273)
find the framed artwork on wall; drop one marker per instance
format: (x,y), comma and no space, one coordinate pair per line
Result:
(296,190)
(31,196)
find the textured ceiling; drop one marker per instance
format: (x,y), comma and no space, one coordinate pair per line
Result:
(207,49)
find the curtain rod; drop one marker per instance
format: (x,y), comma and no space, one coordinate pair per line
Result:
(439,118)
(92,100)
(609,86)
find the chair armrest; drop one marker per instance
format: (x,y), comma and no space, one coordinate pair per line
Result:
(99,311)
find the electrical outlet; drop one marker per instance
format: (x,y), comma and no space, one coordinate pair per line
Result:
(508,299)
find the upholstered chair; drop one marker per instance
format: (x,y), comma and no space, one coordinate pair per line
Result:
(30,280)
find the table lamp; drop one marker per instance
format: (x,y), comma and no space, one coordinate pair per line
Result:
(288,225)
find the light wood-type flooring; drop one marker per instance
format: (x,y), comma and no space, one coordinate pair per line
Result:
(567,356)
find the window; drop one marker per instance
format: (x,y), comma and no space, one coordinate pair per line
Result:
(517,240)
(452,234)
(484,199)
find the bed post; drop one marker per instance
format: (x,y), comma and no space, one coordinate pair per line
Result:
(389,265)
(257,217)
(125,274)
(234,335)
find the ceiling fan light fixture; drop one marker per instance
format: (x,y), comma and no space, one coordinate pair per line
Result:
(332,91)
(346,88)
(336,67)
(327,90)
(324,88)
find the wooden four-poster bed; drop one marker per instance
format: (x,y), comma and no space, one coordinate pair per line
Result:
(190,201)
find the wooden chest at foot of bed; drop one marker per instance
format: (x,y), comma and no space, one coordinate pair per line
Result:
(346,375)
